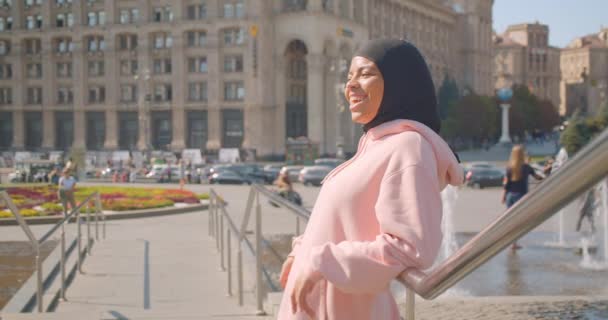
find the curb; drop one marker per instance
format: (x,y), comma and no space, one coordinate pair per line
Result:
(133,214)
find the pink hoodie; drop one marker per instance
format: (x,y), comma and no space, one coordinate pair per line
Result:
(376,215)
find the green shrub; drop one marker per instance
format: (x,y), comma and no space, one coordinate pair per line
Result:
(203,196)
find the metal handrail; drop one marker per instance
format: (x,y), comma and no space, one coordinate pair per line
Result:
(579,174)
(37,242)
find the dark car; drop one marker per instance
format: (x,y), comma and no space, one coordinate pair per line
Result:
(313,175)
(481,177)
(228,177)
(250,171)
(328,162)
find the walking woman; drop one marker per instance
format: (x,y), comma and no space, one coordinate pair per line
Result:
(516,180)
(379,213)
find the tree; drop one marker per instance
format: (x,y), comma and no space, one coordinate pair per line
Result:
(448,95)
(472,118)
(548,116)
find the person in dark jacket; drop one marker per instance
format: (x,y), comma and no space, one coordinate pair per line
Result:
(516,180)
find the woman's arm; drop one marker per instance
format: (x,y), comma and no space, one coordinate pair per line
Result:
(409,214)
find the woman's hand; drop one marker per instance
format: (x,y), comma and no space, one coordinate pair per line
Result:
(285,271)
(305,283)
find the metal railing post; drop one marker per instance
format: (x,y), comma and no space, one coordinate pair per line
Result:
(88,229)
(62,262)
(239,272)
(410,303)
(39,281)
(96,222)
(216,228)
(79,238)
(103,216)
(258,256)
(229,260)
(210,214)
(221,236)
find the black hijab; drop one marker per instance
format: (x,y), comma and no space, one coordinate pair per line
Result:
(409,92)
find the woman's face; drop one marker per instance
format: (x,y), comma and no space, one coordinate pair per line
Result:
(364,90)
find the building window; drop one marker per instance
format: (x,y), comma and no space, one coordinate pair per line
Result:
(95,18)
(162,14)
(161,66)
(197,91)
(6,23)
(162,41)
(6,129)
(196,11)
(233,36)
(64,69)
(33,95)
(196,38)
(33,129)
(95,68)
(60,3)
(65,96)
(95,43)
(197,129)
(5,47)
(233,63)
(33,22)
(294,5)
(63,45)
(6,71)
(128,15)
(233,127)
(344,9)
(97,94)
(6,96)
(33,70)
(33,46)
(128,67)
(60,20)
(297,69)
(128,93)
(96,130)
(233,9)
(197,65)
(127,41)
(234,91)
(163,92)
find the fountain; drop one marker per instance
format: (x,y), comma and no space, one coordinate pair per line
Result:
(449,245)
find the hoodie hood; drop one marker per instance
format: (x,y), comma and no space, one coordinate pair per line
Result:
(449,170)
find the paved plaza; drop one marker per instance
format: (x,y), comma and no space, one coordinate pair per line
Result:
(168,268)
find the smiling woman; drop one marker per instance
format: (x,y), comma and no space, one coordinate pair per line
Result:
(380,212)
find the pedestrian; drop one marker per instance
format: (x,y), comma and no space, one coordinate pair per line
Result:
(182,174)
(587,207)
(67,186)
(516,180)
(379,213)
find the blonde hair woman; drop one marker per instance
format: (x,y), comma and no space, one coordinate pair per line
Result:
(516,179)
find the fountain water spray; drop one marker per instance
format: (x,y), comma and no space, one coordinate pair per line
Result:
(605,209)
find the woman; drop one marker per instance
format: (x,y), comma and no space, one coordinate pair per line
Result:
(516,180)
(285,187)
(380,212)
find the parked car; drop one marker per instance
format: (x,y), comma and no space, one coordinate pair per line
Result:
(481,177)
(251,171)
(313,175)
(328,162)
(293,172)
(228,177)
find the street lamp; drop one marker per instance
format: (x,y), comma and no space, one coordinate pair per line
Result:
(504,95)
(144,109)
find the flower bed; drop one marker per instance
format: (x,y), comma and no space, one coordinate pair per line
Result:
(43,200)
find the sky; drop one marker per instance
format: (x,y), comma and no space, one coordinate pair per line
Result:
(567,19)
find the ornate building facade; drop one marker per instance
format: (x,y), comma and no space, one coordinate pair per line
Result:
(210,74)
(522,55)
(584,68)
